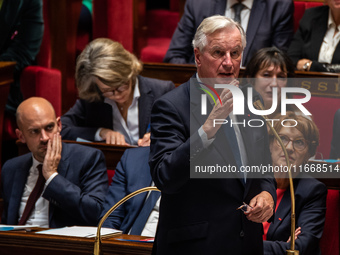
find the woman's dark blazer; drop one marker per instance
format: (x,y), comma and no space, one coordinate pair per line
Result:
(84,118)
(310,210)
(308,38)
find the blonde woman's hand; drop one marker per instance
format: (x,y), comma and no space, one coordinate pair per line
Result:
(112,137)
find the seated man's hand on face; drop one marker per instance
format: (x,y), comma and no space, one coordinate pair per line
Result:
(112,137)
(145,141)
(53,156)
(262,207)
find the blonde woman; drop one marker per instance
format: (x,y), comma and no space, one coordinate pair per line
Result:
(115,101)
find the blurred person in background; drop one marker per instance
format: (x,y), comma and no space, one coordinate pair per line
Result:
(315,46)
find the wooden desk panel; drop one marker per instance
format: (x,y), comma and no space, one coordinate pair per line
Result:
(28,243)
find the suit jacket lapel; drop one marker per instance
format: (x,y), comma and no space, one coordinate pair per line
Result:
(219,7)
(318,33)
(255,17)
(146,100)
(336,56)
(18,189)
(281,213)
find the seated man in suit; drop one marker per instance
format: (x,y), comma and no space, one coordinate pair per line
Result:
(267,23)
(57,184)
(132,173)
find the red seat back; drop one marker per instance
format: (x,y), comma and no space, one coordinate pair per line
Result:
(318,106)
(299,10)
(329,243)
(114,19)
(110,174)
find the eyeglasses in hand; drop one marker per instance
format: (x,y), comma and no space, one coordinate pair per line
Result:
(244,208)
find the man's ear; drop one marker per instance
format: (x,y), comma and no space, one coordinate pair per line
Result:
(20,135)
(59,124)
(197,54)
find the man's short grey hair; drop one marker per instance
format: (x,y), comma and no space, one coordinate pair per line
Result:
(212,24)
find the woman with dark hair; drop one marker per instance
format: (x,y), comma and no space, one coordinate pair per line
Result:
(300,136)
(271,68)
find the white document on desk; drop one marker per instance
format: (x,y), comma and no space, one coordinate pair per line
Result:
(78,231)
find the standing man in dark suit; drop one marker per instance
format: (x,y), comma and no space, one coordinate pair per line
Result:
(267,23)
(71,179)
(198,215)
(335,145)
(132,173)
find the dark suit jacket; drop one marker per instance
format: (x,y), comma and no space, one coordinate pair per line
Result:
(270,24)
(132,173)
(84,118)
(21,30)
(310,210)
(76,194)
(199,216)
(308,38)
(335,145)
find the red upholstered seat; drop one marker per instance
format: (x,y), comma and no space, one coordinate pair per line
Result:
(299,10)
(114,19)
(161,25)
(321,109)
(47,83)
(329,242)
(155,49)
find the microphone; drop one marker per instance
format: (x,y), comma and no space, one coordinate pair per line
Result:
(97,241)
(258,105)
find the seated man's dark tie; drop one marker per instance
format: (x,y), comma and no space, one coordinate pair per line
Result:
(34,196)
(237,9)
(144,214)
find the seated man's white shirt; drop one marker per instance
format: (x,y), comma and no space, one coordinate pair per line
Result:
(151,224)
